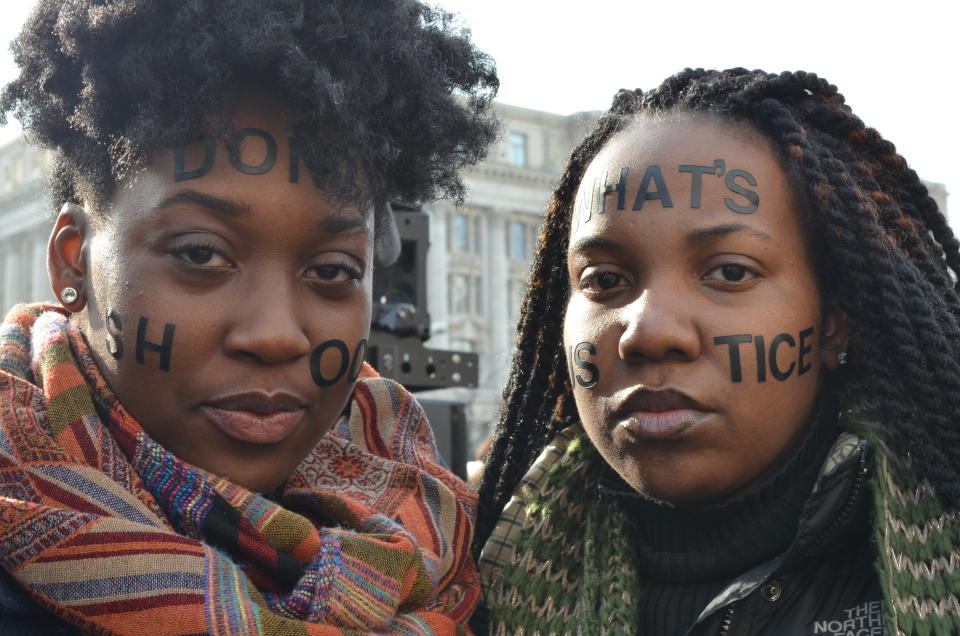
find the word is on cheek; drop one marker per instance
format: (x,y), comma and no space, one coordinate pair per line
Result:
(575,359)
(234,145)
(653,187)
(767,356)
(114,340)
(348,365)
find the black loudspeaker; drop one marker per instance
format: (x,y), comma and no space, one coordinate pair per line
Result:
(449,423)
(401,321)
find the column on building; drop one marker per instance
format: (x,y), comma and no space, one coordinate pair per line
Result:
(498,308)
(437,301)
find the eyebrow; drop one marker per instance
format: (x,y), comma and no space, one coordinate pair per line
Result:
(218,205)
(230,209)
(594,242)
(699,236)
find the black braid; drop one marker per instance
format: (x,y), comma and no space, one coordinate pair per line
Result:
(883,252)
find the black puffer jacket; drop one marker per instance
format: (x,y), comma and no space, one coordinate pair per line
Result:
(825,583)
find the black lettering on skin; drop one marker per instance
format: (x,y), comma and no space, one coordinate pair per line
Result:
(235,143)
(165,349)
(317,357)
(620,188)
(575,359)
(774,368)
(804,350)
(761,359)
(359,354)
(752,197)
(734,342)
(295,154)
(696,183)
(115,333)
(654,174)
(180,173)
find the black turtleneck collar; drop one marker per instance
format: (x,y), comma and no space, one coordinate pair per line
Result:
(714,544)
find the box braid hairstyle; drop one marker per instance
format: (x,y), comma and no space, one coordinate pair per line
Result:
(883,251)
(391,90)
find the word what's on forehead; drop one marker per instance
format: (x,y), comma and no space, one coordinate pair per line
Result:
(235,143)
(653,187)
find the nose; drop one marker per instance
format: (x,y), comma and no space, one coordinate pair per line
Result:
(658,326)
(268,328)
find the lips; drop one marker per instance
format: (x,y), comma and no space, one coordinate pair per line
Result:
(255,417)
(662,414)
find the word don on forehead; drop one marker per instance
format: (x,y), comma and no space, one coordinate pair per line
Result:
(767,355)
(235,144)
(653,187)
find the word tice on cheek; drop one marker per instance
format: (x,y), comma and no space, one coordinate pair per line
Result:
(767,356)
(574,359)
(349,366)
(653,187)
(234,144)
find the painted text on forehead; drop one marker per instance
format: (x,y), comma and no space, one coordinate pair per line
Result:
(605,192)
(251,151)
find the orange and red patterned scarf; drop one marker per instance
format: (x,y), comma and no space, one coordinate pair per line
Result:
(109,531)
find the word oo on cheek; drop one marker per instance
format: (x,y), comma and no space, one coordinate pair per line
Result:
(768,356)
(653,187)
(114,340)
(349,366)
(234,144)
(574,359)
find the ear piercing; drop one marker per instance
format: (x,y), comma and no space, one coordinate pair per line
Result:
(842,358)
(68,295)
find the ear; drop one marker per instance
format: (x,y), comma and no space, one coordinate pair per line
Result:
(834,337)
(66,255)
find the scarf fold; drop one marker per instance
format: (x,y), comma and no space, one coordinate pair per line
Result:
(111,532)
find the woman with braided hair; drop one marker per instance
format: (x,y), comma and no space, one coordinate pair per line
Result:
(747,423)
(191,441)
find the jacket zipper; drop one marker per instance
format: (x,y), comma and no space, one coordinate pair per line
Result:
(848,506)
(727,619)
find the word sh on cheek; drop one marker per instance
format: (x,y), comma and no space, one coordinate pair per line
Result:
(767,356)
(165,348)
(574,358)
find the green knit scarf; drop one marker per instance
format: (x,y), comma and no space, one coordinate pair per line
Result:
(572,569)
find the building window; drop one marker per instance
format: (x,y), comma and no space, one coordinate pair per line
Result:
(477,233)
(460,236)
(459,294)
(518,241)
(518,149)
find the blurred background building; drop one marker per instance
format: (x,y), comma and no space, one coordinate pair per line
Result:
(477,264)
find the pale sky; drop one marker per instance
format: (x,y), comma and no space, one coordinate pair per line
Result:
(892,60)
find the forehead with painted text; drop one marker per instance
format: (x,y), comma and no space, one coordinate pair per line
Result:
(695,331)
(227,302)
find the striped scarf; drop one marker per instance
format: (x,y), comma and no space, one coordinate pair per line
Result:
(109,531)
(559,560)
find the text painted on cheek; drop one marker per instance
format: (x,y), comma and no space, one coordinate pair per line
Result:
(114,340)
(585,373)
(348,365)
(234,144)
(653,187)
(770,356)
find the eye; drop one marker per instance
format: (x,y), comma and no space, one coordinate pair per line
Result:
(731,273)
(201,255)
(335,273)
(596,281)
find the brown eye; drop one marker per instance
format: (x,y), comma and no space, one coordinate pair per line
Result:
(607,280)
(600,281)
(731,273)
(201,255)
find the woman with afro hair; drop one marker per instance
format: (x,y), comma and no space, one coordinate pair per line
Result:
(733,406)
(191,442)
